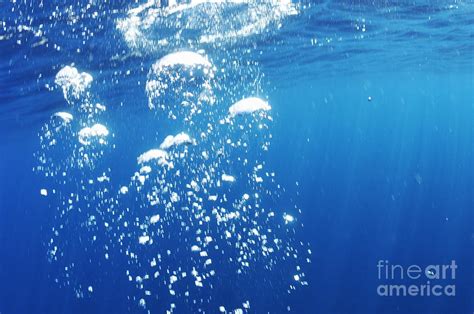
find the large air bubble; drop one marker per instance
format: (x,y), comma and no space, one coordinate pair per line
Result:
(180,85)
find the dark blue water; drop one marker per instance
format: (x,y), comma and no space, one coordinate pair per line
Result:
(372,138)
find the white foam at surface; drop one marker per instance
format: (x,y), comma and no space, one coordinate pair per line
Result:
(179,139)
(248,105)
(154,25)
(87,133)
(44,192)
(72,82)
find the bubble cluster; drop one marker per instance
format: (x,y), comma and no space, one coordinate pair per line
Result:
(73,83)
(200,214)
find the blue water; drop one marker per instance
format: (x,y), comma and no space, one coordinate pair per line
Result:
(371,138)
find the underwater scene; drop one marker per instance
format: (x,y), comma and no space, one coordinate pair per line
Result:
(236,156)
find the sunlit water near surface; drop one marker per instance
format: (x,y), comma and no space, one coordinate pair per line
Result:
(233,156)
